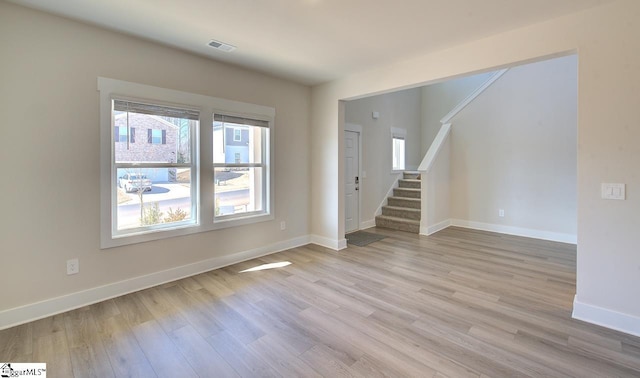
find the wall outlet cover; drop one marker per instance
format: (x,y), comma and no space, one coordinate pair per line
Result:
(73,266)
(613,191)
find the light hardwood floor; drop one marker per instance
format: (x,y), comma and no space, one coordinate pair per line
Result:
(461,303)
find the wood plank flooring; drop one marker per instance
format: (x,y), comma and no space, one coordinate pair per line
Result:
(460,303)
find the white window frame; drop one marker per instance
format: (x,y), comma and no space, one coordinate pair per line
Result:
(202,153)
(239,133)
(222,221)
(398,133)
(129,166)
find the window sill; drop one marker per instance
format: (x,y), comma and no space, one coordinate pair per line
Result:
(219,224)
(164,233)
(151,235)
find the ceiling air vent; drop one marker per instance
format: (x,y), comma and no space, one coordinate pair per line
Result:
(221,46)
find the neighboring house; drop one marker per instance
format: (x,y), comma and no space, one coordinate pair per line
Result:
(236,143)
(146,138)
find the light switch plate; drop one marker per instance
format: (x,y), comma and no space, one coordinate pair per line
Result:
(614,191)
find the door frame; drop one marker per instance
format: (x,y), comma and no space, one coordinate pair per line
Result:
(356,129)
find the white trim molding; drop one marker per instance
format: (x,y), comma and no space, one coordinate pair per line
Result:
(353,127)
(48,307)
(434,149)
(467,100)
(367,224)
(517,231)
(430,230)
(606,318)
(389,193)
(335,244)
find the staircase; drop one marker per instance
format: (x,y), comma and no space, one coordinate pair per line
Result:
(402,211)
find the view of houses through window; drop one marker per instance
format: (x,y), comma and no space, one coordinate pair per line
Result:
(239,160)
(153,174)
(176,163)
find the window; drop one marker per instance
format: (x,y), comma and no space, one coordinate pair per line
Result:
(398,148)
(240,169)
(121,134)
(398,154)
(157,136)
(188,175)
(139,168)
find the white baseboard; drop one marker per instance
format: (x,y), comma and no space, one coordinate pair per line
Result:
(367,224)
(335,244)
(435,228)
(606,318)
(48,307)
(518,231)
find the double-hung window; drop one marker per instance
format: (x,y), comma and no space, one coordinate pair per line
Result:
(144,171)
(398,137)
(197,163)
(240,156)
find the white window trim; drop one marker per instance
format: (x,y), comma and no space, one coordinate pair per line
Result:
(268,197)
(234,134)
(397,132)
(203,155)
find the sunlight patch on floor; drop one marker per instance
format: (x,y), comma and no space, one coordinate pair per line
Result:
(267,266)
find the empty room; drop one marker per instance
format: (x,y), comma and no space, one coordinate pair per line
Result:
(319,188)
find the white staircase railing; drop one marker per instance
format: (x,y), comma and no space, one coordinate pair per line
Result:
(434,168)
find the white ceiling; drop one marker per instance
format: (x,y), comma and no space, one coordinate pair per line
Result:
(312,41)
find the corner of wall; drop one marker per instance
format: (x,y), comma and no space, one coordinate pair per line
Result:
(606,318)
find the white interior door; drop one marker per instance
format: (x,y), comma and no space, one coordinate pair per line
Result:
(352,173)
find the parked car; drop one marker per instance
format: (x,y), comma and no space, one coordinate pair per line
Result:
(133,182)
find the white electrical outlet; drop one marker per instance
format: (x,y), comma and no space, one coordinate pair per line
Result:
(73,267)
(283,225)
(501,212)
